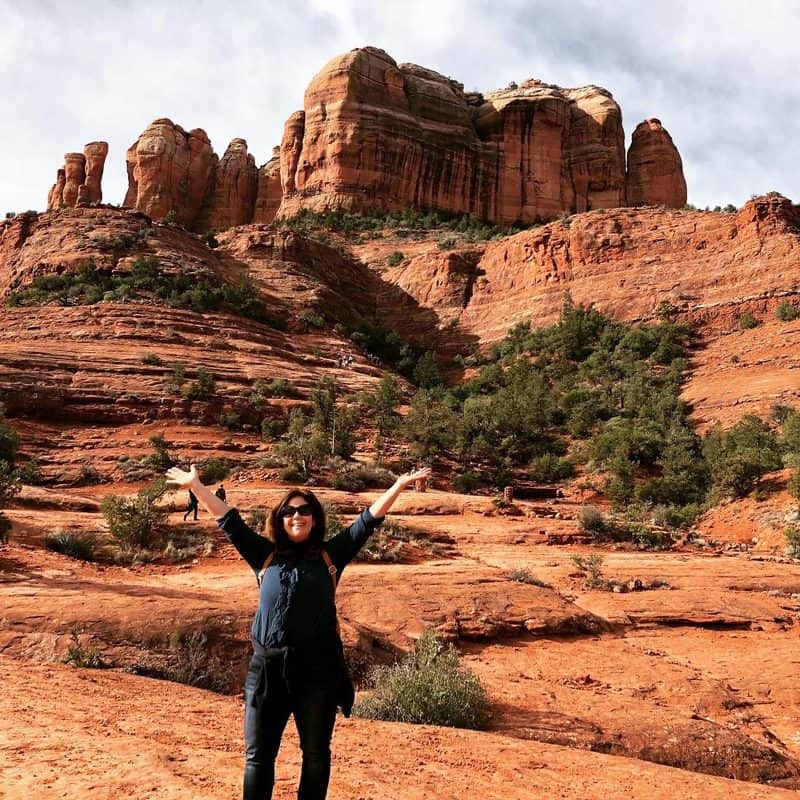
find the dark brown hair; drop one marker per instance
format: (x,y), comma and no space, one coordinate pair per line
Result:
(277,532)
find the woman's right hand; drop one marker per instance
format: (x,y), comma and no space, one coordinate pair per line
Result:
(180,477)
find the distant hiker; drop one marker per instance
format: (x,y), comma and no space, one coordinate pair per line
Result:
(298,664)
(221,493)
(191,506)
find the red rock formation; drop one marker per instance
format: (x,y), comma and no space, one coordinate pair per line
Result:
(170,170)
(75,171)
(655,170)
(375,135)
(236,183)
(79,180)
(629,261)
(269,193)
(95,153)
(55,199)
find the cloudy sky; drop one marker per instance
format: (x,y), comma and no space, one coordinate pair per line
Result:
(720,74)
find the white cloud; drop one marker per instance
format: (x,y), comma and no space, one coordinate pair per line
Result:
(719,74)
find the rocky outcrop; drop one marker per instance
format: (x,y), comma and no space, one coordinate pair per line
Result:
(170,170)
(235,185)
(655,170)
(269,193)
(375,135)
(79,181)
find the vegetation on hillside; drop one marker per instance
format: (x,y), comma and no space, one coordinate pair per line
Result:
(147,280)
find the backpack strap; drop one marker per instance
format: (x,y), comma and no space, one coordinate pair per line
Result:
(264,568)
(331,569)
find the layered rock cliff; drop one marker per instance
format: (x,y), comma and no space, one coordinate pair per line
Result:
(375,135)
(79,181)
(172,171)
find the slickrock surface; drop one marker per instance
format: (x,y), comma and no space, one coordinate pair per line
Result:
(699,675)
(655,170)
(375,135)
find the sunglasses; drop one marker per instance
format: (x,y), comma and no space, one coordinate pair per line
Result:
(304,510)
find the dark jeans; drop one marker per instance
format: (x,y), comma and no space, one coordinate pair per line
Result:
(268,704)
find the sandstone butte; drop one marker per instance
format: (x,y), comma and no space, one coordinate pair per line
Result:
(375,136)
(688,691)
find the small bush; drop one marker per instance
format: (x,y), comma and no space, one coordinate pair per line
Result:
(786,312)
(792,534)
(747,321)
(257,520)
(592,520)
(676,516)
(550,468)
(272,428)
(592,568)
(292,474)
(75,545)
(135,523)
(87,657)
(312,318)
(203,387)
(466,482)
(428,687)
(358,477)
(524,575)
(192,663)
(152,359)
(230,420)
(214,470)
(395,258)
(447,242)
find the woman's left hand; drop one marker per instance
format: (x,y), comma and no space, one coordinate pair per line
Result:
(408,478)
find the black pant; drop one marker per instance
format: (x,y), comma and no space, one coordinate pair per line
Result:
(189,511)
(268,704)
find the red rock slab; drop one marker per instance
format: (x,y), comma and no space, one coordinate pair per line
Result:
(462,600)
(634,696)
(77,732)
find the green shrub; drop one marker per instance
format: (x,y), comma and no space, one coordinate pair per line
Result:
(277,388)
(214,470)
(312,318)
(676,516)
(9,440)
(273,428)
(192,662)
(792,534)
(739,457)
(747,321)
(466,482)
(152,359)
(786,312)
(592,520)
(357,477)
(257,520)
(204,387)
(592,569)
(5,528)
(75,545)
(230,420)
(427,687)
(79,655)
(447,242)
(524,575)
(550,468)
(135,523)
(395,258)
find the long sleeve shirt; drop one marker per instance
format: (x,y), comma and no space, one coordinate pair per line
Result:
(296,606)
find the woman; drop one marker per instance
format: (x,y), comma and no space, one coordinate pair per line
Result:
(298,664)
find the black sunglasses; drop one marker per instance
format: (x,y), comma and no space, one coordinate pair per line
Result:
(304,510)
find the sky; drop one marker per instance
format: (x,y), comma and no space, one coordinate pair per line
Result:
(721,75)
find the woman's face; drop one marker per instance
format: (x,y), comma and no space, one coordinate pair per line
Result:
(298,519)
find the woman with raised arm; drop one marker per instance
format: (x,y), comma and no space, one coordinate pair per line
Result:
(298,663)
